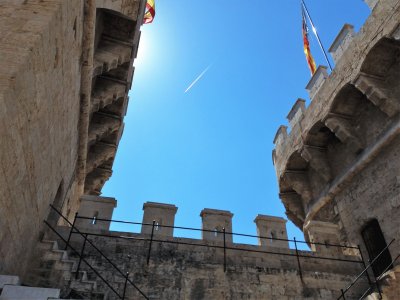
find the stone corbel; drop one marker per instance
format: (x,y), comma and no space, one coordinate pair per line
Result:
(95,180)
(99,154)
(299,182)
(316,157)
(102,125)
(374,88)
(293,204)
(343,130)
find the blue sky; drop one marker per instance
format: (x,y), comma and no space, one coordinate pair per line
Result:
(211,147)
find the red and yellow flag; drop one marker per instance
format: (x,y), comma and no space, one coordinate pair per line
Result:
(150,12)
(306,45)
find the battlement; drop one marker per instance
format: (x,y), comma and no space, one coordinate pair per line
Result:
(348,112)
(159,221)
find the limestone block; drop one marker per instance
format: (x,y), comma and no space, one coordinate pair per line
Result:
(342,42)
(95,207)
(161,214)
(316,81)
(216,220)
(12,292)
(9,280)
(270,228)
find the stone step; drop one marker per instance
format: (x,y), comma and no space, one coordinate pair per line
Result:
(9,280)
(55,255)
(15,292)
(57,268)
(83,285)
(47,245)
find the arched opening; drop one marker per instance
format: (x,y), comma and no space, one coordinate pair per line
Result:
(382,57)
(375,243)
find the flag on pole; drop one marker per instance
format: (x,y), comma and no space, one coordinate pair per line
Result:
(306,45)
(150,12)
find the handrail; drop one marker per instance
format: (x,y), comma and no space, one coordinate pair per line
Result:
(365,270)
(99,251)
(217,231)
(217,246)
(225,246)
(84,260)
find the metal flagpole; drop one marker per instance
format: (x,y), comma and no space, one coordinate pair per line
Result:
(316,34)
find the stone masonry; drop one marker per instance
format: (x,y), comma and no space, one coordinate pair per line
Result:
(66,67)
(187,268)
(339,166)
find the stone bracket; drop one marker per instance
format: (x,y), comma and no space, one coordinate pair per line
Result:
(316,156)
(299,182)
(374,88)
(343,130)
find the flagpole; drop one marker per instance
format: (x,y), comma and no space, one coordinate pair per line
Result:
(316,34)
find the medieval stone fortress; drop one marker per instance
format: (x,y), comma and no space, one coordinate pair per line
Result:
(66,67)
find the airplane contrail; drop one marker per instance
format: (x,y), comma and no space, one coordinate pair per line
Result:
(198,78)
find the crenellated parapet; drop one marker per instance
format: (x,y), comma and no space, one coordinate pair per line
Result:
(351,113)
(159,221)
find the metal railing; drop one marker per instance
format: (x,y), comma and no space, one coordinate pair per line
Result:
(372,284)
(222,245)
(81,256)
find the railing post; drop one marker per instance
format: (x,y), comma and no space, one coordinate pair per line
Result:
(81,256)
(70,232)
(223,230)
(298,259)
(365,266)
(151,241)
(126,281)
(378,288)
(344,298)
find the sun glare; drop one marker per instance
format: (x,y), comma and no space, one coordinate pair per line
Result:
(143,50)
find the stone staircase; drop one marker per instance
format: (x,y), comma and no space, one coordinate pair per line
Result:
(56,269)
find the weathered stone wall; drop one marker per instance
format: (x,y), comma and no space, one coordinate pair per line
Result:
(65,71)
(361,201)
(197,271)
(40,52)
